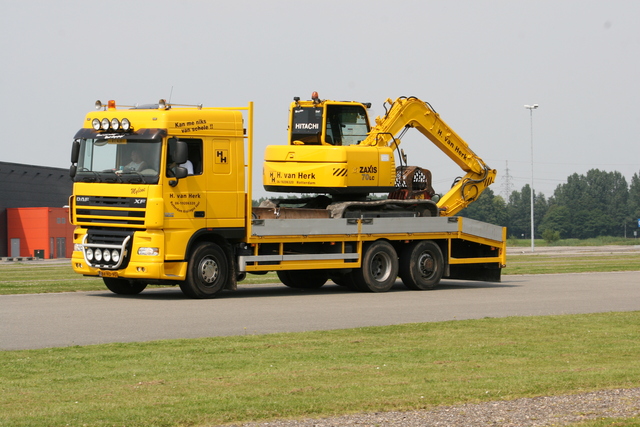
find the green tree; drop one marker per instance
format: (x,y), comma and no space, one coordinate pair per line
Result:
(550,236)
(519,212)
(557,219)
(597,202)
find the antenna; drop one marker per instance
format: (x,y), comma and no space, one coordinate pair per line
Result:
(170,95)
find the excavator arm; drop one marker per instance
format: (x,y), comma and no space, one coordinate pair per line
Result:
(411,112)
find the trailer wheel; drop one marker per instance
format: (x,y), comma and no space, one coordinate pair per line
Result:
(303,279)
(124,286)
(207,272)
(379,268)
(421,265)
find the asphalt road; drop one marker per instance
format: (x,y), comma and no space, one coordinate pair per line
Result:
(83,318)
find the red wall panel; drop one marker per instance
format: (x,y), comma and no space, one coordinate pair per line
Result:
(36,227)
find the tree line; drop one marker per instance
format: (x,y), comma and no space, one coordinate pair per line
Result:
(597,204)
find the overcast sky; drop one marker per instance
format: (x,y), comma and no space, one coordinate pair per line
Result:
(476,62)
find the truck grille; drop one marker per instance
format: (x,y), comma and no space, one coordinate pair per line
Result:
(120,211)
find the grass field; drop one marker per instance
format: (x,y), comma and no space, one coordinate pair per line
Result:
(595,241)
(260,377)
(572,263)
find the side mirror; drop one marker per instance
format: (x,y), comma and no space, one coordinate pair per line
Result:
(75,151)
(179,173)
(180,152)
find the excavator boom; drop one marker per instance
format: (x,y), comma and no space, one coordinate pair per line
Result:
(413,113)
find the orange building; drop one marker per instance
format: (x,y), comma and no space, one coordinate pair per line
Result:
(39,232)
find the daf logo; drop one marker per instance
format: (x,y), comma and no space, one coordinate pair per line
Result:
(138,201)
(82,199)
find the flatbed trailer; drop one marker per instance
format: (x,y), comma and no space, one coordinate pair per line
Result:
(454,235)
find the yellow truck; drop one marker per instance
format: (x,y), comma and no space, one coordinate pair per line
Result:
(163,196)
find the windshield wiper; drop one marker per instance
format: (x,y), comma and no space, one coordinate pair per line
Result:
(138,179)
(94,178)
(118,179)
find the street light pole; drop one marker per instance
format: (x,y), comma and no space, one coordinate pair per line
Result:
(531,108)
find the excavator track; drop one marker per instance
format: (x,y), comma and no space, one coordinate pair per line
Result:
(321,207)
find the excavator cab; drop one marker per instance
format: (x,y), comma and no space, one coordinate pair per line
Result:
(328,123)
(324,154)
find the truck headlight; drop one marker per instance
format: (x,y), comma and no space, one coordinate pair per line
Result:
(115,255)
(149,251)
(77,247)
(98,254)
(89,254)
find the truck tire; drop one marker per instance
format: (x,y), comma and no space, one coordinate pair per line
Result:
(303,279)
(124,286)
(207,272)
(379,268)
(421,265)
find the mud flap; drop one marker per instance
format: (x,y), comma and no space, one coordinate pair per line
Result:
(480,272)
(232,280)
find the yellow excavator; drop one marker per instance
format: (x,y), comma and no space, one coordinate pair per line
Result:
(333,150)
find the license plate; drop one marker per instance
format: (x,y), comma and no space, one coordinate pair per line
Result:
(107,273)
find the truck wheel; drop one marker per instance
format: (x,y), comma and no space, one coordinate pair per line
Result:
(207,272)
(303,279)
(379,268)
(421,265)
(124,286)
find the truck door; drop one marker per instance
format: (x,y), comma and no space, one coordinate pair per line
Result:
(185,199)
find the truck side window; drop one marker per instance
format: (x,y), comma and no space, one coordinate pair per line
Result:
(194,158)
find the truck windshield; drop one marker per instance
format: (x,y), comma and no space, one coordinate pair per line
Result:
(119,161)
